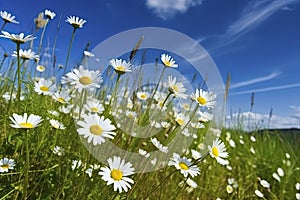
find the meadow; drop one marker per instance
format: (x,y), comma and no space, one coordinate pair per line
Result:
(58,132)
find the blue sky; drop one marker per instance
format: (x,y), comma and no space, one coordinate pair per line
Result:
(257,41)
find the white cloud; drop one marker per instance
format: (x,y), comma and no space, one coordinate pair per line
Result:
(250,121)
(280,87)
(255,80)
(168,8)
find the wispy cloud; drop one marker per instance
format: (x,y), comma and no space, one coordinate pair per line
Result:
(166,9)
(255,80)
(281,87)
(253,15)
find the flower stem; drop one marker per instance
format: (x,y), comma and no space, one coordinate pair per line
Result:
(19,73)
(69,50)
(115,89)
(5,22)
(26,165)
(42,37)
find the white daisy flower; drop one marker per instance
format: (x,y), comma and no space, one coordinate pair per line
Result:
(204,98)
(231,143)
(196,154)
(144,153)
(297,186)
(229,189)
(264,183)
(40,68)
(204,116)
(8,17)
(26,54)
(88,54)
(168,61)
(94,106)
(44,87)
(191,183)
(159,146)
(76,22)
(298,196)
(61,96)
(83,78)
(275,176)
(6,164)
(76,164)
(120,66)
(25,121)
(117,173)
(58,151)
(259,194)
(181,119)
(56,124)
(142,95)
(176,88)
(218,151)
(89,171)
(280,172)
(252,138)
(49,14)
(184,165)
(19,39)
(96,128)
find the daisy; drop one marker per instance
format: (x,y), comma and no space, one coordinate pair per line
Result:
(158,145)
(117,173)
(297,186)
(181,119)
(191,183)
(229,189)
(8,17)
(26,54)
(96,128)
(44,87)
(20,121)
(204,98)
(61,97)
(184,165)
(259,194)
(168,61)
(49,14)
(276,176)
(88,54)
(120,66)
(83,78)
(218,151)
(196,154)
(264,183)
(177,89)
(144,153)
(6,164)
(280,172)
(19,39)
(58,151)
(40,68)
(204,116)
(56,124)
(142,95)
(75,21)
(94,106)
(76,164)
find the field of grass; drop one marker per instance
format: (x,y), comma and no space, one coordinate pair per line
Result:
(51,154)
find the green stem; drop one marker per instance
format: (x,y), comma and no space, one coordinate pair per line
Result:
(4,197)
(2,61)
(115,90)
(19,73)
(69,50)
(26,165)
(5,22)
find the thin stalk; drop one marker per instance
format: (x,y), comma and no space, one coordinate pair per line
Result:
(19,72)
(2,61)
(55,40)
(2,27)
(42,37)
(26,165)
(69,50)
(115,89)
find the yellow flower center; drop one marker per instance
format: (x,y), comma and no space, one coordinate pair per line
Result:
(183,166)
(116,174)
(55,126)
(5,166)
(85,80)
(94,109)
(167,63)
(61,100)
(215,151)
(180,121)
(120,68)
(44,88)
(201,100)
(175,88)
(26,125)
(96,129)
(143,96)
